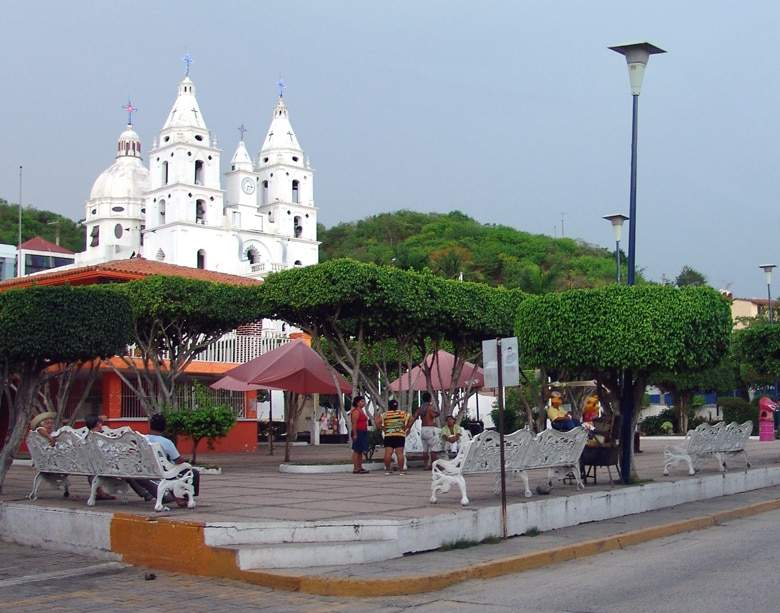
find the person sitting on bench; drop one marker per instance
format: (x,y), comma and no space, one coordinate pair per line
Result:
(559,419)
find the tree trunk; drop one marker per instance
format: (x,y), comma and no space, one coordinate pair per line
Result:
(195,443)
(19,414)
(289,421)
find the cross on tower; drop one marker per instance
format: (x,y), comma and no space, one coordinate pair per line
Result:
(187,59)
(280,84)
(242,130)
(130,110)
(290,134)
(195,111)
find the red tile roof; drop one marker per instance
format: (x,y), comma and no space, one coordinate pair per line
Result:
(122,270)
(37,243)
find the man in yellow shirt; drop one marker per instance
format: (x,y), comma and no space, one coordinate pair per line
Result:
(560,419)
(395,425)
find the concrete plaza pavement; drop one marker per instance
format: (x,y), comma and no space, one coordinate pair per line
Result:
(251,489)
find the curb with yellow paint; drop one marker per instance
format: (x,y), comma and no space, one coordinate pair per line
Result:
(180,547)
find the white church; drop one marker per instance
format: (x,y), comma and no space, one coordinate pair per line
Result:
(177,211)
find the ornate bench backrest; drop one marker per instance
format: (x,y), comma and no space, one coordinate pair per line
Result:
(68,455)
(704,438)
(734,436)
(484,453)
(552,448)
(123,454)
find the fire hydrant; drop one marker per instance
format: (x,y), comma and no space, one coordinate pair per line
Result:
(766,419)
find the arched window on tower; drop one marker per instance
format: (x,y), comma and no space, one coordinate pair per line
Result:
(295,192)
(165,173)
(201,263)
(160,256)
(200,211)
(252,256)
(161,207)
(198,172)
(297,227)
(95,236)
(264,194)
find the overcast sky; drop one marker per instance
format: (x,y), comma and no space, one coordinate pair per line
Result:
(513,112)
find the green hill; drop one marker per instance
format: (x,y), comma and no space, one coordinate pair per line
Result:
(453,243)
(38,223)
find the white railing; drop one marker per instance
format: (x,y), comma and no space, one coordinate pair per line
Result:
(235,348)
(240,348)
(267,267)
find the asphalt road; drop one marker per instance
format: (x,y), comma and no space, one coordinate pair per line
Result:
(728,568)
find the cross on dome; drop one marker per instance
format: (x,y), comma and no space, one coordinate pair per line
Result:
(282,86)
(130,110)
(187,59)
(242,130)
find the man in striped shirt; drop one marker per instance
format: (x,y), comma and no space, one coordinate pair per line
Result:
(395,424)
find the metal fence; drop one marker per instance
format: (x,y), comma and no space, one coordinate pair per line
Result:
(132,406)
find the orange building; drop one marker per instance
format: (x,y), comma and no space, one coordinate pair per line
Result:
(112,397)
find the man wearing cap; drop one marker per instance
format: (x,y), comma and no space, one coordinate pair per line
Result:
(43,424)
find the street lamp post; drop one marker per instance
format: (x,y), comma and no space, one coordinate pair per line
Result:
(637,56)
(617,225)
(768,268)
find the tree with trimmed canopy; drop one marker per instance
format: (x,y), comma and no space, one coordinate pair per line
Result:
(45,330)
(173,320)
(381,318)
(628,331)
(757,350)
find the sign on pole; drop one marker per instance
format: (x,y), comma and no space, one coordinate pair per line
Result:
(500,366)
(510,363)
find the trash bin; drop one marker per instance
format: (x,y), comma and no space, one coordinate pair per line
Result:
(767,416)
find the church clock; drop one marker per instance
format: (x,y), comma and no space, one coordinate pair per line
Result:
(248,185)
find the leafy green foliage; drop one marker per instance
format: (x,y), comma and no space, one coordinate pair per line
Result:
(45,326)
(643,328)
(757,348)
(175,318)
(740,411)
(599,333)
(451,243)
(357,307)
(513,418)
(39,223)
(690,277)
(207,420)
(50,324)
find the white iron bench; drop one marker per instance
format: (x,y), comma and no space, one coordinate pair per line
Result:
(111,457)
(708,441)
(523,451)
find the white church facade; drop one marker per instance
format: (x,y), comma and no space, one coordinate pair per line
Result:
(257,218)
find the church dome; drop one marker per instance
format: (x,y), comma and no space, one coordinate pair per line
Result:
(127,177)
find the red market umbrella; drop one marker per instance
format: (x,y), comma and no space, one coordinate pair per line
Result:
(294,367)
(441,364)
(234,385)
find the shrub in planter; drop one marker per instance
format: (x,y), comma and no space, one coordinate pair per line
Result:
(206,420)
(739,410)
(651,426)
(667,427)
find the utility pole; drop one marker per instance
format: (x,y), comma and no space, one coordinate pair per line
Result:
(563,232)
(19,244)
